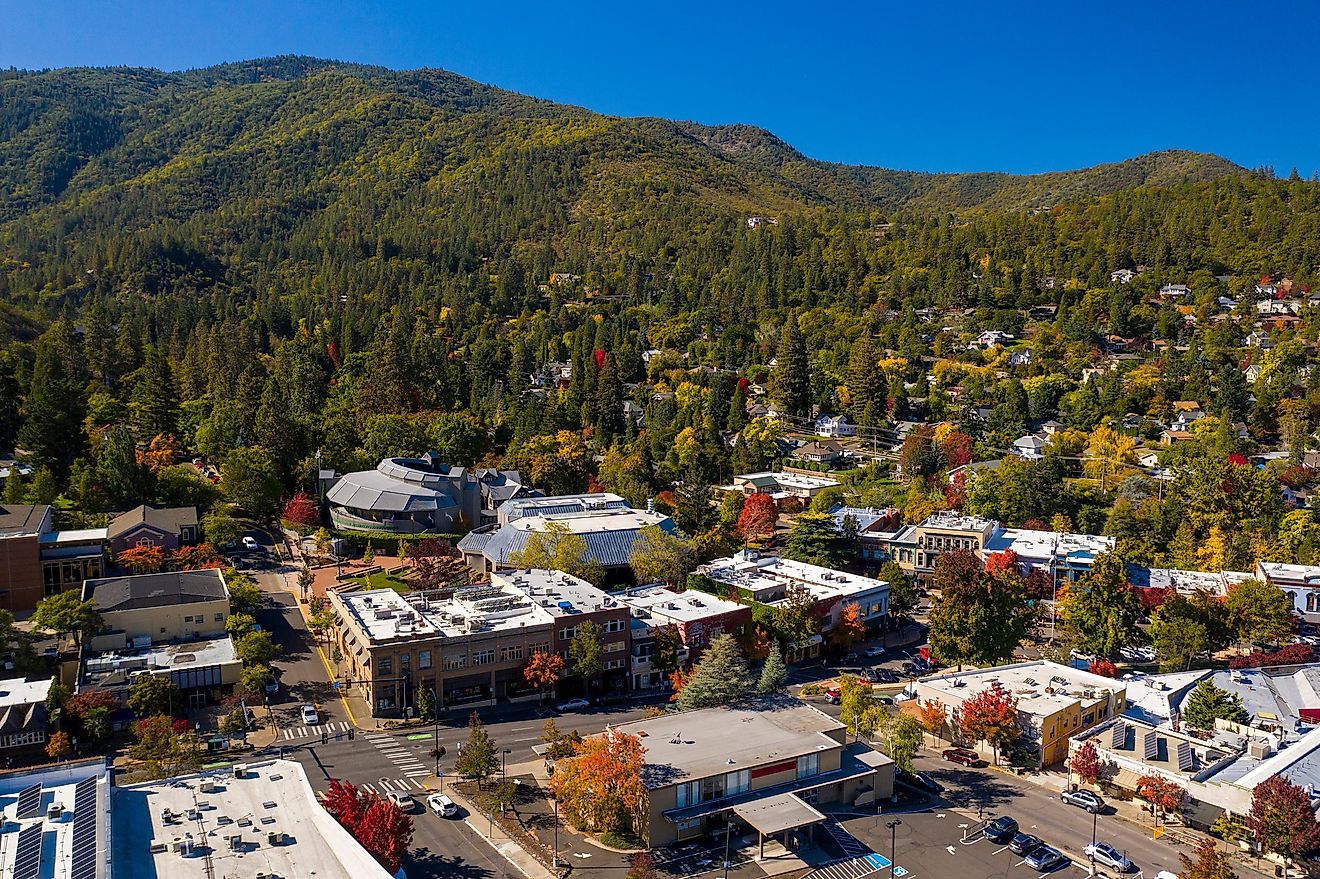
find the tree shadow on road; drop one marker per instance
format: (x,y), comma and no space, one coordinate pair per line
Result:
(424,862)
(981,792)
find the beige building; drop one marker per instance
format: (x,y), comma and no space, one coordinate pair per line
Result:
(1054,701)
(147,609)
(471,648)
(768,767)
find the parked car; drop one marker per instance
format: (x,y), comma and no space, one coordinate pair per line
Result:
(1083,799)
(833,696)
(1023,843)
(885,676)
(917,779)
(1044,858)
(874,652)
(250,543)
(962,756)
(405,802)
(1106,854)
(310,715)
(1001,829)
(442,806)
(1137,654)
(572,705)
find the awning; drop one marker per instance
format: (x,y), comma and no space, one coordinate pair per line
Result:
(771,815)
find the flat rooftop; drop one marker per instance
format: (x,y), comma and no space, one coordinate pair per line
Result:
(50,840)
(1172,753)
(1031,544)
(589,521)
(566,503)
(385,615)
(958,522)
(1185,583)
(787,480)
(18,691)
(1308,575)
(709,741)
(112,669)
(757,573)
(558,593)
(1041,687)
(273,798)
(678,607)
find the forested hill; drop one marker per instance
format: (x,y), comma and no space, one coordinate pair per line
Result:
(297,132)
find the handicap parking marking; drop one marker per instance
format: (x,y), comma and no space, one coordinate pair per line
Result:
(899,871)
(879,862)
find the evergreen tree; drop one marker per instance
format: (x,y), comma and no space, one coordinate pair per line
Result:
(790,383)
(478,760)
(773,671)
(1207,702)
(155,397)
(815,540)
(720,678)
(52,430)
(866,382)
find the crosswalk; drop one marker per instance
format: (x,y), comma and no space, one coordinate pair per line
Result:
(393,785)
(292,733)
(402,757)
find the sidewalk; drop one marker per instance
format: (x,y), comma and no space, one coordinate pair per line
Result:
(498,839)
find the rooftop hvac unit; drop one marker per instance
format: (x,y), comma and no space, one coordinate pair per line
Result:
(275,837)
(240,770)
(236,842)
(1258,749)
(208,787)
(54,811)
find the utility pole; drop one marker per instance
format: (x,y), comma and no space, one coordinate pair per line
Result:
(893,853)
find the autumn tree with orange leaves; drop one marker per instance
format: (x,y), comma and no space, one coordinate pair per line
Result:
(850,628)
(1166,796)
(141,559)
(932,715)
(990,716)
(758,518)
(543,670)
(600,788)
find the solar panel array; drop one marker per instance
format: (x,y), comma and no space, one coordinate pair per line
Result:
(84,830)
(29,802)
(27,862)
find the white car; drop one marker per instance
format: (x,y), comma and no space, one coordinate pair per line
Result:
(442,806)
(1104,853)
(250,543)
(873,652)
(573,705)
(403,801)
(310,715)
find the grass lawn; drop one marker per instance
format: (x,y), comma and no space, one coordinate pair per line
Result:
(381,580)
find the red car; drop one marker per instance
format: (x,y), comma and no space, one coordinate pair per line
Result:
(833,696)
(962,755)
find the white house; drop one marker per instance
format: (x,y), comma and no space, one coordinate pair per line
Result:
(990,338)
(1174,291)
(1019,358)
(1122,276)
(834,426)
(1030,446)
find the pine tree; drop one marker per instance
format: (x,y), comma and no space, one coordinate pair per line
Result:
(52,432)
(773,671)
(866,382)
(1207,702)
(790,383)
(720,678)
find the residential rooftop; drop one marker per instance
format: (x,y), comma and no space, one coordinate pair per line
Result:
(676,607)
(709,741)
(22,520)
(169,519)
(266,822)
(138,591)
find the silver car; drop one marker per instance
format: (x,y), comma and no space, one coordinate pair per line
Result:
(1106,854)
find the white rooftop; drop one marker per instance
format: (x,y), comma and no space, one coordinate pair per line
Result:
(385,615)
(1031,544)
(958,522)
(558,593)
(273,798)
(789,480)
(1041,687)
(21,692)
(1308,575)
(750,571)
(53,846)
(677,607)
(589,521)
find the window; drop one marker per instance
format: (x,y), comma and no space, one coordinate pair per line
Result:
(386,665)
(455,660)
(511,654)
(405,661)
(1312,602)
(483,657)
(614,625)
(539,648)
(737,782)
(612,664)
(219,618)
(689,824)
(424,659)
(568,634)
(614,646)
(689,794)
(808,765)
(17,740)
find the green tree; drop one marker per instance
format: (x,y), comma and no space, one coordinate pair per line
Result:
(239,624)
(478,758)
(244,595)
(1178,640)
(795,619)
(902,739)
(255,679)
(586,652)
(903,597)
(54,408)
(1259,612)
(256,648)
(719,678)
(815,540)
(66,613)
(658,556)
(1101,609)
(558,549)
(425,704)
(1207,702)
(979,619)
(150,695)
(220,527)
(773,671)
(251,481)
(790,382)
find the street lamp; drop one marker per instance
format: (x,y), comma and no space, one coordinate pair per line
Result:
(554,857)
(503,756)
(728,832)
(1090,852)
(435,750)
(893,834)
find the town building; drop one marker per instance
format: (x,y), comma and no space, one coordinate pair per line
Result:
(835,426)
(144,609)
(24,720)
(697,616)
(470,647)
(163,528)
(916,547)
(1066,555)
(1301,583)
(37,561)
(827,453)
(768,580)
(1054,701)
(780,486)
(605,522)
(769,767)
(873,529)
(170,624)
(420,495)
(58,821)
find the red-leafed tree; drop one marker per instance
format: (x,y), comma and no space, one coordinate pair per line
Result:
(990,716)
(1166,796)
(196,558)
(678,679)
(543,670)
(1153,598)
(345,802)
(141,559)
(932,714)
(385,831)
(1005,562)
(850,628)
(1103,667)
(301,509)
(435,562)
(757,520)
(1086,762)
(1282,818)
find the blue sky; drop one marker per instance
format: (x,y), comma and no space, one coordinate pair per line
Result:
(953,86)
